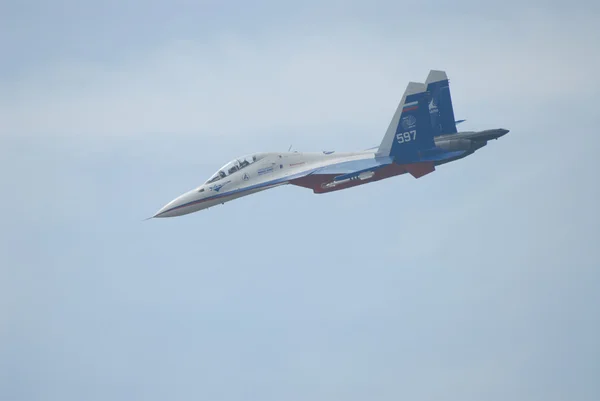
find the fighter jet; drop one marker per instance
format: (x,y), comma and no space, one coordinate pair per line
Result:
(421,136)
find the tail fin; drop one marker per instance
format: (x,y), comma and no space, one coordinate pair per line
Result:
(440,107)
(410,130)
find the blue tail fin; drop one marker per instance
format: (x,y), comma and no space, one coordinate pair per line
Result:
(440,107)
(410,130)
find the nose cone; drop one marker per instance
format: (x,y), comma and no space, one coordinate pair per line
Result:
(178,206)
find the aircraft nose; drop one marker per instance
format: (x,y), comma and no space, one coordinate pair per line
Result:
(176,207)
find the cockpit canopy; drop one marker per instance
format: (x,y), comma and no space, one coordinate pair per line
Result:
(235,165)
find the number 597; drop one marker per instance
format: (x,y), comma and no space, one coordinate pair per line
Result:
(406,136)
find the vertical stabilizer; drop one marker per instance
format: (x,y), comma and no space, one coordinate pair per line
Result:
(388,140)
(410,131)
(440,106)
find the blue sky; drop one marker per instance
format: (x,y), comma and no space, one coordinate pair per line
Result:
(480,281)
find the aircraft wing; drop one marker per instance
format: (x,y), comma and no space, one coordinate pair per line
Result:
(354,166)
(344,174)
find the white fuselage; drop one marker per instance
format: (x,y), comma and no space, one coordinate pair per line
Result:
(272,170)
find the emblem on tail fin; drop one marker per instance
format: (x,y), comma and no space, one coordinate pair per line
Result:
(409,121)
(433,107)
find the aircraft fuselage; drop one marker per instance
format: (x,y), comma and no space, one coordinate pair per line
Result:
(421,135)
(297,168)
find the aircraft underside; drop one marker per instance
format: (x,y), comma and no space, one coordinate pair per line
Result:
(323,183)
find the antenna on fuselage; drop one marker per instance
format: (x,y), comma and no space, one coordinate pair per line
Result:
(290,148)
